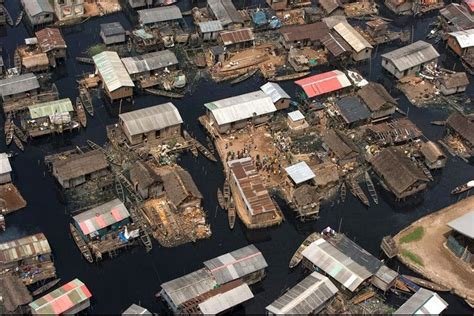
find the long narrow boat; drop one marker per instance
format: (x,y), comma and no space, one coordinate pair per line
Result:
(45,287)
(19,18)
(298,256)
(85,60)
(86,101)
(244,77)
(231,214)
(463,188)
(438,123)
(203,150)
(210,145)
(81,113)
(18,132)
(18,143)
(371,188)
(9,130)
(226,194)
(356,190)
(220,198)
(163,93)
(343,192)
(292,76)
(81,244)
(401,286)
(427,284)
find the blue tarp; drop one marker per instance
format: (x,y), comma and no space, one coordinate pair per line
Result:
(259,18)
(275,23)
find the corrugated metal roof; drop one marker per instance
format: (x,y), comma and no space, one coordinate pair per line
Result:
(275,91)
(464,224)
(159,14)
(223,301)
(22,248)
(352,109)
(339,266)
(236,264)
(412,55)
(225,11)
(189,286)
(18,84)
(423,302)
(112,71)
(300,172)
(237,36)
(153,118)
(352,37)
(304,298)
(62,299)
(134,309)
(296,115)
(49,39)
(210,26)
(5,166)
(324,83)
(34,7)
(464,38)
(150,61)
(101,216)
(50,108)
(241,107)
(111,29)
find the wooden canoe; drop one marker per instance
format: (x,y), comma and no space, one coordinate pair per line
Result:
(244,77)
(427,284)
(343,192)
(220,198)
(87,101)
(45,287)
(81,244)
(298,256)
(231,214)
(371,188)
(226,194)
(18,143)
(292,76)
(9,130)
(163,93)
(81,113)
(356,190)
(18,132)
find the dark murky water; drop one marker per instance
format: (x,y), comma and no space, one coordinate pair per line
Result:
(135,276)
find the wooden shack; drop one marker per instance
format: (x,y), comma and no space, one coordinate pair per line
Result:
(69,9)
(434,156)
(51,43)
(399,173)
(331,7)
(461,42)
(70,299)
(117,82)
(340,147)
(423,300)
(296,121)
(226,13)
(237,112)
(338,49)
(455,17)
(352,111)
(23,255)
(453,83)
(154,17)
(462,128)
(38,12)
(180,189)
(302,193)
(306,35)
(280,98)
(234,40)
(252,201)
(460,240)
(135,4)
(400,7)
(14,295)
(80,168)
(308,297)
(361,48)
(5,169)
(380,103)
(155,124)
(112,33)
(278,5)
(331,82)
(135,309)
(145,180)
(209,30)
(19,87)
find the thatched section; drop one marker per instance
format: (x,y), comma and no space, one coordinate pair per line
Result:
(143,176)
(76,166)
(13,293)
(340,146)
(462,126)
(179,186)
(376,97)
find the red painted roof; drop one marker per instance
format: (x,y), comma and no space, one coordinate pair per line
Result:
(470,4)
(323,83)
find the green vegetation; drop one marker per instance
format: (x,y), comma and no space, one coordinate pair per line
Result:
(172,142)
(415,235)
(413,257)
(96,49)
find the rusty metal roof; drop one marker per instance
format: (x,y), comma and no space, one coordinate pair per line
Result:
(50,39)
(23,248)
(237,36)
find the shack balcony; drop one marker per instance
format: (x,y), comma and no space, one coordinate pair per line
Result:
(44,126)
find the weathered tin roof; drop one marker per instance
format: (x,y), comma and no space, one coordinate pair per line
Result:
(79,165)
(223,301)
(313,32)
(35,7)
(101,216)
(376,97)
(237,36)
(296,116)
(352,110)
(135,309)
(464,224)
(62,299)
(112,71)
(352,37)
(324,83)
(461,125)
(50,108)
(210,26)
(25,247)
(300,172)
(150,61)
(153,118)
(225,11)
(457,16)
(18,84)
(306,297)
(431,151)
(50,39)
(339,266)
(275,91)
(111,29)
(422,302)
(236,264)
(189,286)
(464,38)
(5,166)
(412,55)
(159,14)
(241,107)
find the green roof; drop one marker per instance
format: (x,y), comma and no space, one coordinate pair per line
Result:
(50,108)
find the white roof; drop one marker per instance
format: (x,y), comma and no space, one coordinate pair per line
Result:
(112,70)
(351,36)
(464,224)
(296,116)
(223,301)
(274,90)
(300,172)
(241,107)
(423,302)
(464,38)
(5,166)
